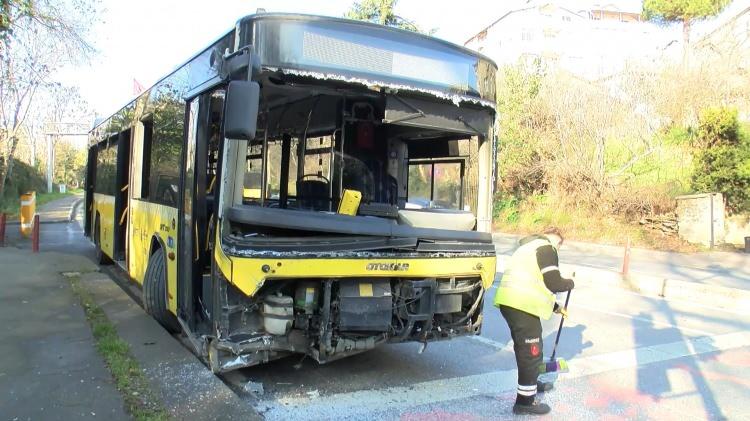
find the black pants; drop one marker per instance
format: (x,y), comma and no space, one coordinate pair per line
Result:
(526,331)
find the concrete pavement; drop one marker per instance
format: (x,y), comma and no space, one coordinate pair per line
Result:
(49,369)
(187,388)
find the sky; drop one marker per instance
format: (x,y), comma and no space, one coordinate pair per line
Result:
(144,40)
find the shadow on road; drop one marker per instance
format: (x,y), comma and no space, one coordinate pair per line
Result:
(653,379)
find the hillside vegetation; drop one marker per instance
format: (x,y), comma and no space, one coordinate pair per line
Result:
(596,157)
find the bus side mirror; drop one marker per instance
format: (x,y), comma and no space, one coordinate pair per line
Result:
(241,111)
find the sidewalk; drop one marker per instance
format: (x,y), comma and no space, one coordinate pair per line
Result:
(49,367)
(730,270)
(188,389)
(60,210)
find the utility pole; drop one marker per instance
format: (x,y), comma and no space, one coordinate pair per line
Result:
(50,162)
(56,129)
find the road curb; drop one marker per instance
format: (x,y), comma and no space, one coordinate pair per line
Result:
(733,299)
(187,387)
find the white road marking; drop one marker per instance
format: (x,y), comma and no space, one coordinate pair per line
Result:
(495,344)
(351,404)
(644,319)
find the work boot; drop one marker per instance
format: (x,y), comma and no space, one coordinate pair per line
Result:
(542,387)
(536,408)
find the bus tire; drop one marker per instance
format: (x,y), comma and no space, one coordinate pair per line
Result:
(155,292)
(101,258)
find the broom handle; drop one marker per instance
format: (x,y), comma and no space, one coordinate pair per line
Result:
(559,329)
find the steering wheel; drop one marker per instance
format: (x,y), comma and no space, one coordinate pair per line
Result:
(314,175)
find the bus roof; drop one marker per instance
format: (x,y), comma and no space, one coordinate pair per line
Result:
(459,74)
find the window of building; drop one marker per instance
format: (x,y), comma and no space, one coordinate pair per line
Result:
(527,35)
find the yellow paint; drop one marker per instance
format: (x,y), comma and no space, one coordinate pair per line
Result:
(349,203)
(149,220)
(28,209)
(222,261)
(248,274)
(365,289)
(105,205)
(251,193)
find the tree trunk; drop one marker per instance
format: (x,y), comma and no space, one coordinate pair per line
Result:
(685,41)
(12,143)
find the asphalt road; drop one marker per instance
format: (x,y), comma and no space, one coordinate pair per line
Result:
(728,269)
(631,357)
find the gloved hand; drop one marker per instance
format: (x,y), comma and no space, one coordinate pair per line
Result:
(561,311)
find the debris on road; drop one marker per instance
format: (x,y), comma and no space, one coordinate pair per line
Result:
(255,388)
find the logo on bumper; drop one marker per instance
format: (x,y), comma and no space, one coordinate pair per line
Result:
(388,267)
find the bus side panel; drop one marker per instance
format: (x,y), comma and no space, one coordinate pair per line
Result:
(105,206)
(148,220)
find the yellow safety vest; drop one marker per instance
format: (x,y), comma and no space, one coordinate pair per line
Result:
(522,286)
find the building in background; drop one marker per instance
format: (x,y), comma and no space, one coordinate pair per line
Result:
(589,39)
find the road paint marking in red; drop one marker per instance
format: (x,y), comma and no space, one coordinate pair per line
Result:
(715,375)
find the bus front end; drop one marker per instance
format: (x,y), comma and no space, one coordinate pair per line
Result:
(359,211)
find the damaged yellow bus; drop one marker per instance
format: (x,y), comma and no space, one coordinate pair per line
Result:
(306,185)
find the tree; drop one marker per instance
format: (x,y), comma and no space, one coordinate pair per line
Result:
(381,12)
(685,11)
(723,162)
(36,39)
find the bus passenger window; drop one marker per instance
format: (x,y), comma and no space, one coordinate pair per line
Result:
(164,149)
(106,161)
(148,133)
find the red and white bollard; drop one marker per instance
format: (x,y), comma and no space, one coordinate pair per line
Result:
(35,235)
(626,259)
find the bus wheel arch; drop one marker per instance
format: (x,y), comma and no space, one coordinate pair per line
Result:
(155,288)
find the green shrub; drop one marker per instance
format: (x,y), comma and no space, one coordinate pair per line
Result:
(718,126)
(723,163)
(24,178)
(505,209)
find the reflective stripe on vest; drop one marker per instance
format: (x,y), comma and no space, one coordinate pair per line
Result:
(522,286)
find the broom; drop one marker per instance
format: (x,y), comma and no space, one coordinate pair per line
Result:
(557,365)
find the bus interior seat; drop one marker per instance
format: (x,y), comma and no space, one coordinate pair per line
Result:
(313,194)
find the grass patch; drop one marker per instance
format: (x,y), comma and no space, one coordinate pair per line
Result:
(11,206)
(140,401)
(535,213)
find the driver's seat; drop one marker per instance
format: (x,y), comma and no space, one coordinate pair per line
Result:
(313,194)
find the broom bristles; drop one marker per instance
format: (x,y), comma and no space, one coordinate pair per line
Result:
(558,365)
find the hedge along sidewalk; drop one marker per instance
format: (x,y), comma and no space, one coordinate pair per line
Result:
(186,386)
(732,299)
(140,400)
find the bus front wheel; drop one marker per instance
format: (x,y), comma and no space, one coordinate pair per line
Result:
(155,292)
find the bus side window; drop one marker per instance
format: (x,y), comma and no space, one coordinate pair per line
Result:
(163,147)
(148,135)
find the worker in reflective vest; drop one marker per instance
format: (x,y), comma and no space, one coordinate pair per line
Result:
(526,295)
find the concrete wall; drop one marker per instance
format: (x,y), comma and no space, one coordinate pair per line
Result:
(737,228)
(701,218)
